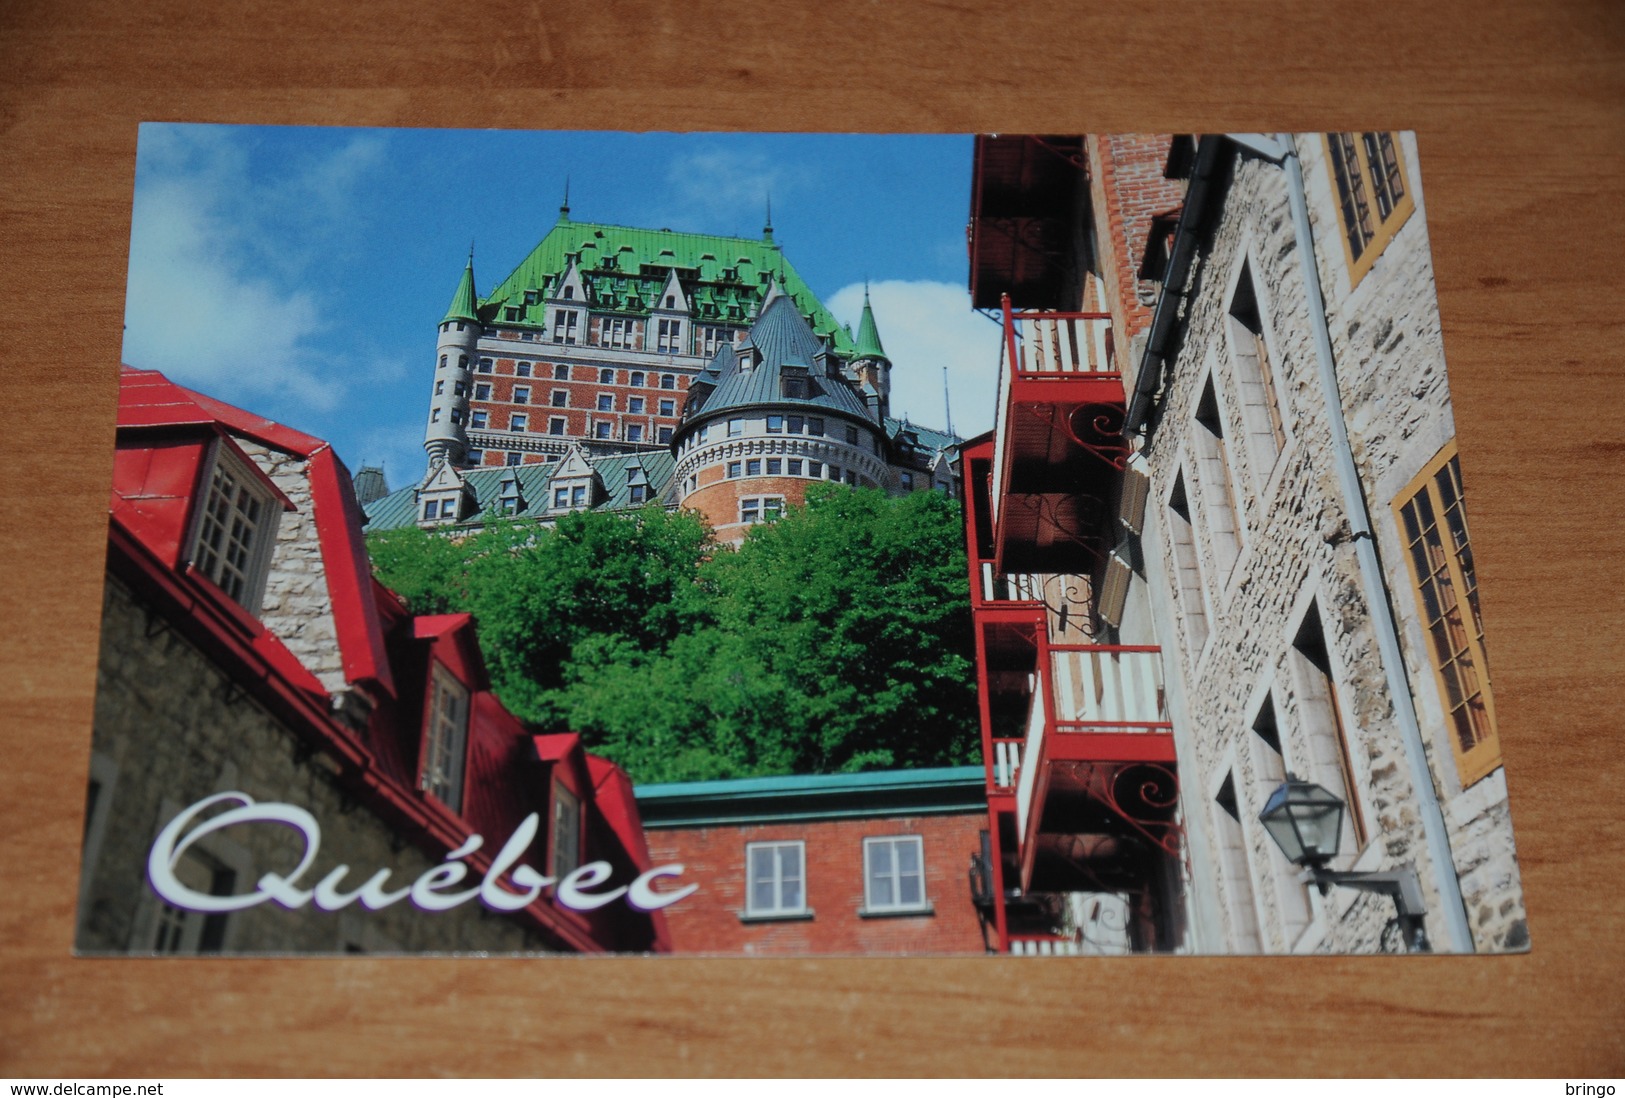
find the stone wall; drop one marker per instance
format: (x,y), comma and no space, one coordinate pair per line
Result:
(297,606)
(1288,564)
(1386,337)
(169,730)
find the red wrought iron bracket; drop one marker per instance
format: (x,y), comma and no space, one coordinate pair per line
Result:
(1159,790)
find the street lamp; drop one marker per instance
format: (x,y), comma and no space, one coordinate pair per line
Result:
(1306,821)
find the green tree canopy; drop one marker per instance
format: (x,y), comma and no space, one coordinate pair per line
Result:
(836,638)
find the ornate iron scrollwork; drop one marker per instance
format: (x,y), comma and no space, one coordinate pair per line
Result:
(1098,428)
(1144,795)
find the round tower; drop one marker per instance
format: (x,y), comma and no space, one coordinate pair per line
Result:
(771,416)
(445,438)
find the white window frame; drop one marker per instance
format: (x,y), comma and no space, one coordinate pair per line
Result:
(772,862)
(895,876)
(242,581)
(756,509)
(445,739)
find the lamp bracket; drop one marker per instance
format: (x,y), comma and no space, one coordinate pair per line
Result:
(1402,884)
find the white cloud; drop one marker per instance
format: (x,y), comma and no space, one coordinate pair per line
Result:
(924,327)
(718,186)
(216,255)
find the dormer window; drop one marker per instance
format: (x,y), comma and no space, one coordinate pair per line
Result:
(566,832)
(445,739)
(569,293)
(236,531)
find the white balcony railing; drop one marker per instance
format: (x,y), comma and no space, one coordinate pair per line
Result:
(1044,345)
(1045,947)
(1106,689)
(1006,763)
(1099,689)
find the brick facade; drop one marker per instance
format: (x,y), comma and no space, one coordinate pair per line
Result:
(582,388)
(710,920)
(1128,188)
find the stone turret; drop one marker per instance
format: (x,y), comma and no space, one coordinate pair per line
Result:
(445,438)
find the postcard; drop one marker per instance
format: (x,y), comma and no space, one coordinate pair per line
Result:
(747,544)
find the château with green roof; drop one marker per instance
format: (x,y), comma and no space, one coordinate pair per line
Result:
(606,340)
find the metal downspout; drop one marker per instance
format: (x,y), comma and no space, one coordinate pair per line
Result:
(1376,589)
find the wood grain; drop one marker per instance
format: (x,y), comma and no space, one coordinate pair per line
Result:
(1521,115)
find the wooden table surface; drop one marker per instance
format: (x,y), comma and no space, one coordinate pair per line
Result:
(1519,108)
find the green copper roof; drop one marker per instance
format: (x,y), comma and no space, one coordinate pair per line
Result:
(463,301)
(623,270)
(951,789)
(399,508)
(868,335)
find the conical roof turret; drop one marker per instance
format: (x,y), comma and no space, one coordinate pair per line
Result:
(464,305)
(868,334)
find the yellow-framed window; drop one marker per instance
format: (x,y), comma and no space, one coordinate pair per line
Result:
(1373,194)
(1433,526)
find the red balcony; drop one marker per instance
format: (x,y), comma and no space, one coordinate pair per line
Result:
(1097,782)
(1057,448)
(1025,194)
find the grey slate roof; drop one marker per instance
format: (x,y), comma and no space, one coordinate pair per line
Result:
(930,439)
(783,338)
(399,509)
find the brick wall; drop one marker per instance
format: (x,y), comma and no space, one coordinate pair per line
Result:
(1127,188)
(714,857)
(718,502)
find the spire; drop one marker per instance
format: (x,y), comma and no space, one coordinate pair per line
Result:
(869,335)
(564,208)
(464,304)
(767,229)
(774,292)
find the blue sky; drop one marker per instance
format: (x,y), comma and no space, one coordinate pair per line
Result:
(300,272)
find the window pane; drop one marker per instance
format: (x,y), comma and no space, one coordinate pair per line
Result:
(880,858)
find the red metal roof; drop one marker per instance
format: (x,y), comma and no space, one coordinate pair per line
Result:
(165,434)
(148,399)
